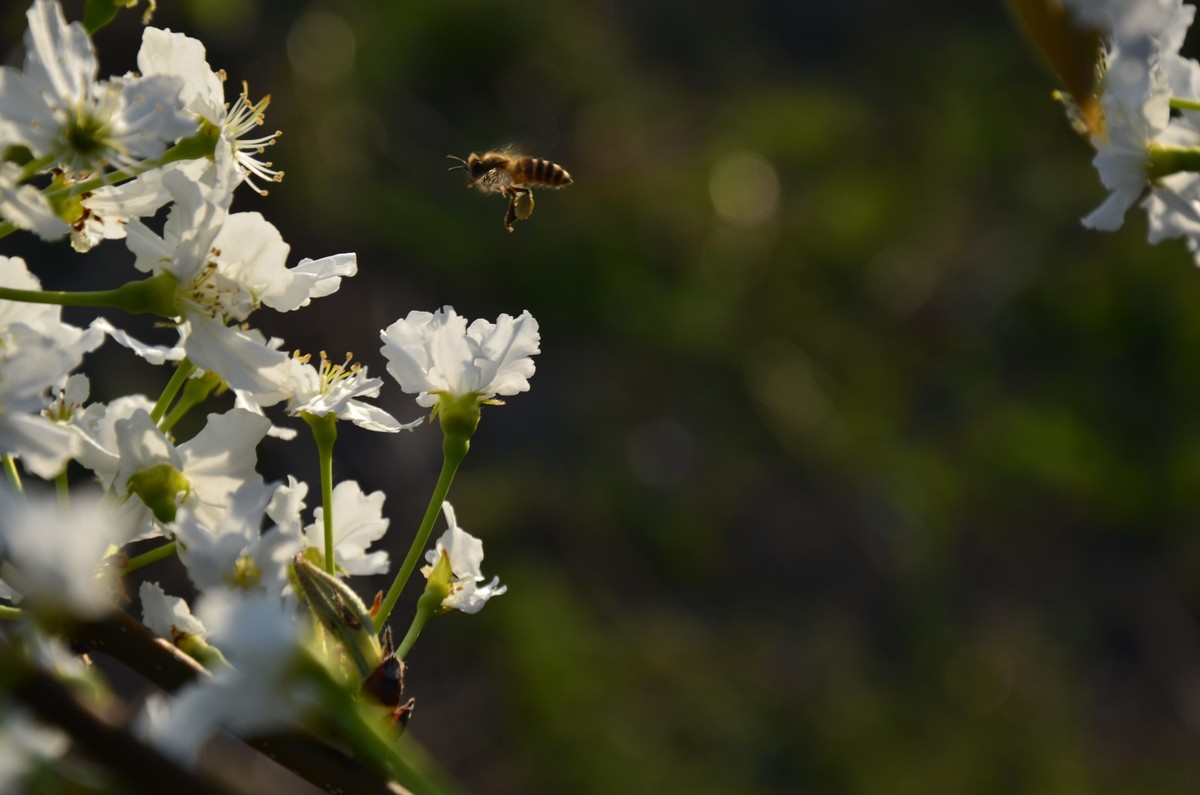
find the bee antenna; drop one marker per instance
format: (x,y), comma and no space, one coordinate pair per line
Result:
(462,163)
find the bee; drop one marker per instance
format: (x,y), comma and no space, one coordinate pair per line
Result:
(513,176)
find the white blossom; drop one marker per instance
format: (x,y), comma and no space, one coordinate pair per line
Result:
(25,744)
(26,207)
(176,55)
(54,555)
(227,266)
(335,389)
(58,109)
(358,522)
(37,351)
(465,554)
(215,462)
(259,693)
(168,616)
(435,355)
(232,549)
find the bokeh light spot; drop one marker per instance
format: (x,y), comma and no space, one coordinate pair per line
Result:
(744,187)
(321,47)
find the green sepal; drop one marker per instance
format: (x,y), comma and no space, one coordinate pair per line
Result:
(198,649)
(202,144)
(160,488)
(437,586)
(459,417)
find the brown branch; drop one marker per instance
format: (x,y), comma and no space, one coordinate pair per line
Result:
(127,640)
(142,768)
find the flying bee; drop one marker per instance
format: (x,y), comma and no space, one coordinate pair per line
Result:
(512,175)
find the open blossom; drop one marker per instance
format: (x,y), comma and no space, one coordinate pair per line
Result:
(26,207)
(1142,72)
(26,747)
(227,265)
(129,452)
(358,522)
(37,352)
(436,355)
(465,555)
(203,93)
(335,389)
(232,550)
(53,555)
(238,148)
(168,616)
(258,694)
(58,109)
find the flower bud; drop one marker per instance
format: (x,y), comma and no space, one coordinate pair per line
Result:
(339,610)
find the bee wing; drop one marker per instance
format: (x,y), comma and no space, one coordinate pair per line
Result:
(536,140)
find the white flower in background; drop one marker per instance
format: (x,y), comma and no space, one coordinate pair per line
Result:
(58,109)
(259,694)
(233,551)
(96,426)
(465,555)
(168,616)
(25,207)
(37,351)
(335,389)
(435,355)
(1143,71)
(25,745)
(197,475)
(54,555)
(358,522)
(67,398)
(287,504)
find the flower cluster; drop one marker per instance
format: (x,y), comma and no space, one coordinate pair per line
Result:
(278,637)
(1146,121)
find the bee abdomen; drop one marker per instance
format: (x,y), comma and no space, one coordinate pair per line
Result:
(536,171)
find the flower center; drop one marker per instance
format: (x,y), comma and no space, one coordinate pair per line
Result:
(88,139)
(246,573)
(213,294)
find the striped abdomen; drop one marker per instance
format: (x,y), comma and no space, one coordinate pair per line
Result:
(536,171)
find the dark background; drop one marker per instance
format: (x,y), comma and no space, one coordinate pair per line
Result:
(852,463)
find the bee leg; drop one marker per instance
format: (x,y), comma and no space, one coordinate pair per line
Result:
(510,214)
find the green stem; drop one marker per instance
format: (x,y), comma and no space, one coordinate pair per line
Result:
(372,741)
(324,430)
(1163,161)
(202,144)
(63,487)
(195,391)
(1179,103)
(454,450)
(155,294)
(427,607)
(184,369)
(34,166)
(146,558)
(14,476)
(8,613)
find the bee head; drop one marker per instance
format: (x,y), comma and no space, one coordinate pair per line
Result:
(473,165)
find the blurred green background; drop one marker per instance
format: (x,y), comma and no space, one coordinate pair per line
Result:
(852,464)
